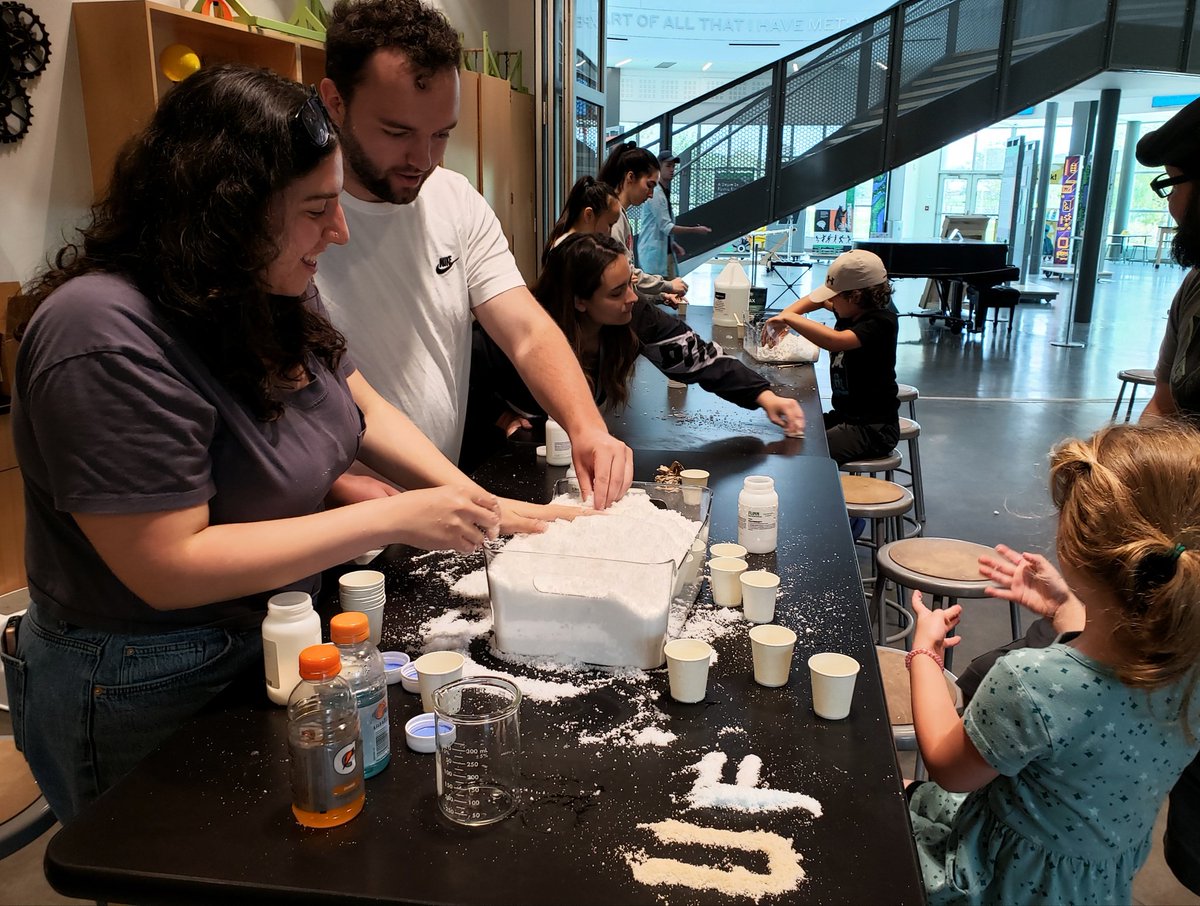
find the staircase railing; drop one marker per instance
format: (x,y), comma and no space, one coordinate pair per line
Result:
(890,89)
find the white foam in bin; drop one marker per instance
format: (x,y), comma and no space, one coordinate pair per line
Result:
(791,348)
(613,611)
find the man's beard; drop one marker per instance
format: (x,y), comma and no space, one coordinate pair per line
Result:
(370,176)
(1185,248)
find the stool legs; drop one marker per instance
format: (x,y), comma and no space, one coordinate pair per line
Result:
(1117,407)
(914,461)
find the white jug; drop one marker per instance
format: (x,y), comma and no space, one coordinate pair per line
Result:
(731,296)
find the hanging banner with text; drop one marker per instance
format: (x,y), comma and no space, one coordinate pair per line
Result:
(1064,228)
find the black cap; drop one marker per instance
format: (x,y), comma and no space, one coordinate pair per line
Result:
(1175,142)
(667,157)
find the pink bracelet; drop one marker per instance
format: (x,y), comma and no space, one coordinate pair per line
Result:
(908,658)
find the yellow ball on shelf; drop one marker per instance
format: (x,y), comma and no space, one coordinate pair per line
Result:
(178,61)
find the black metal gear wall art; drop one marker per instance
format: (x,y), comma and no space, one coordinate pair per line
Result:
(24,52)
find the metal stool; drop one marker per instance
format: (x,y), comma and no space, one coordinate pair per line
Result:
(887,465)
(910,432)
(897,693)
(945,568)
(884,503)
(907,393)
(26,815)
(1134,376)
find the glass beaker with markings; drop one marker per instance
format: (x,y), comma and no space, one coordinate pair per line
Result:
(478,749)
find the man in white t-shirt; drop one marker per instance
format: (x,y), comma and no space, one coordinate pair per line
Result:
(426,252)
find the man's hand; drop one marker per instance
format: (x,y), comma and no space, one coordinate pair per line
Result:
(510,423)
(603,465)
(677,287)
(677,249)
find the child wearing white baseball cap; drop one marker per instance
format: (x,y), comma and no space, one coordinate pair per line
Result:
(863,422)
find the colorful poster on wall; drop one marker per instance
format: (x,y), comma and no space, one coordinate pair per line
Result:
(879,194)
(1064,227)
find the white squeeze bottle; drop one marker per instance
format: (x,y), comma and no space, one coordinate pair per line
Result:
(558,444)
(758,514)
(291,626)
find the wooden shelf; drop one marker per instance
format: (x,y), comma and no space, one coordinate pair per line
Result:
(119,45)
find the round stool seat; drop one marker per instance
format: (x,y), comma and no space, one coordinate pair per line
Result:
(907,393)
(874,498)
(909,429)
(882,464)
(897,691)
(1137,375)
(939,566)
(24,814)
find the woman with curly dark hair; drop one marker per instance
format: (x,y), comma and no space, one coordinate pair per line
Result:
(183,407)
(864,419)
(586,288)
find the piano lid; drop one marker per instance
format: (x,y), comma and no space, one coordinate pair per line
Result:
(945,258)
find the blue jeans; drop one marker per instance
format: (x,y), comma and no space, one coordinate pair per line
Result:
(87,705)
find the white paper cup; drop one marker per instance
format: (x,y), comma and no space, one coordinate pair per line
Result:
(676,385)
(361,589)
(771,647)
(681,310)
(833,677)
(374,622)
(724,573)
(759,589)
(436,669)
(687,669)
(728,549)
(695,478)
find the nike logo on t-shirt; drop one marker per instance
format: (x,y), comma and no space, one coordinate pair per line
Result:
(444,265)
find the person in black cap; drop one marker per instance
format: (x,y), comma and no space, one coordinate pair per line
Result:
(1175,146)
(656,246)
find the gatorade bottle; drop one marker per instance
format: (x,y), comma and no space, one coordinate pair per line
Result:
(323,742)
(362,668)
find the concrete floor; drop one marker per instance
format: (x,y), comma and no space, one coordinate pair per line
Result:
(991,407)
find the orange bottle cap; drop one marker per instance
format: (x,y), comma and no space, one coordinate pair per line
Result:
(318,662)
(349,627)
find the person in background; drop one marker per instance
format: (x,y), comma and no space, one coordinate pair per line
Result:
(586,288)
(1176,147)
(864,421)
(182,408)
(633,172)
(657,250)
(592,207)
(430,255)
(1047,788)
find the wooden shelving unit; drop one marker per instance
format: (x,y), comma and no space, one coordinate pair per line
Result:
(119,45)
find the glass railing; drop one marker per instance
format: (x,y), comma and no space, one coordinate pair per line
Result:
(894,87)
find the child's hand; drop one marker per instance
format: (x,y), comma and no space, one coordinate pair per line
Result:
(773,331)
(1028,579)
(934,625)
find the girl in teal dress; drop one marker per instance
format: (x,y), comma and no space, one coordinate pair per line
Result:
(1047,788)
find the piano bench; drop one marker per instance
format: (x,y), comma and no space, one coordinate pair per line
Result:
(996,298)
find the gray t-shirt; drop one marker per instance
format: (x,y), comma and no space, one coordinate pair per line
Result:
(115,414)
(1179,355)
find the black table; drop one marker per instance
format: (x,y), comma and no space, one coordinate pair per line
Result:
(207,817)
(664,418)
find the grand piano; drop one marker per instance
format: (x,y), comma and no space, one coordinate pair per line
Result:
(952,264)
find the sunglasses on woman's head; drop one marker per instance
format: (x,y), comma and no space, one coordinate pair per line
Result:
(312,120)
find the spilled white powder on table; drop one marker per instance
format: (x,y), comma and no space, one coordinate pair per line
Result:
(453,631)
(473,585)
(745,794)
(783,862)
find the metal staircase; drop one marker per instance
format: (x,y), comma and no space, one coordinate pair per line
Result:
(889,90)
